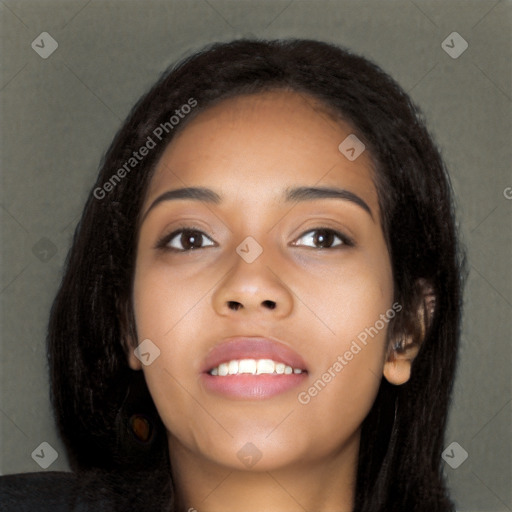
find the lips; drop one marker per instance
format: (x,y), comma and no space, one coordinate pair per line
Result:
(252,386)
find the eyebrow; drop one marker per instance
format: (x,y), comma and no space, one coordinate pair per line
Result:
(312,193)
(291,194)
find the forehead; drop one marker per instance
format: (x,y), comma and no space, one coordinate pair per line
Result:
(263,142)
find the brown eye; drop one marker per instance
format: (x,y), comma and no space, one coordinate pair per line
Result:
(186,240)
(324,238)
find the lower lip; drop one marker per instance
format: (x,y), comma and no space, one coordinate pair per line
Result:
(252,387)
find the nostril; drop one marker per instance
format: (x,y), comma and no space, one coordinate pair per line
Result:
(269,303)
(236,305)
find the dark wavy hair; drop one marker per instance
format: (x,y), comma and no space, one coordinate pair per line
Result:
(93,390)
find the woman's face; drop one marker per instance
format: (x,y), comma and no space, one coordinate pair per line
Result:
(303,281)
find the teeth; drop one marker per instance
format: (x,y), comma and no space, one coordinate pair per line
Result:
(247,366)
(265,366)
(253,367)
(233,367)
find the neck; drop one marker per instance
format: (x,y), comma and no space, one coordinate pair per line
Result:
(323,484)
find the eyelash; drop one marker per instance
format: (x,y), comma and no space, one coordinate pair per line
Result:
(165,240)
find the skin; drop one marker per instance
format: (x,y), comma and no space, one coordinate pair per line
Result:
(249,150)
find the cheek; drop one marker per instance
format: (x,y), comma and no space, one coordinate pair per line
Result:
(155,304)
(348,299)
(169,319)
(164,298)
(350,357)
(361,300)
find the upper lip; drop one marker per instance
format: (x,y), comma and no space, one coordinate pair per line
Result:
(251,347)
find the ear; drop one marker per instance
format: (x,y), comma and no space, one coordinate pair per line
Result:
(128,334)
(405,345)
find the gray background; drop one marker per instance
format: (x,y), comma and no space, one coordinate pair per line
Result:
(60,113)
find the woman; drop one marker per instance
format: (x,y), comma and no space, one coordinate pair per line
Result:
(261,307)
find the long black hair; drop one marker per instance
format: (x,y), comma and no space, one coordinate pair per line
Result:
(93,390)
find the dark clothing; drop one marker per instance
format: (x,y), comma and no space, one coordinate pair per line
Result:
(54,490)
(95,491)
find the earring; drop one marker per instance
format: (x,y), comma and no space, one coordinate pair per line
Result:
(141,427)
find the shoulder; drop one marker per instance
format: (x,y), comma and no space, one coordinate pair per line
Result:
(52,490)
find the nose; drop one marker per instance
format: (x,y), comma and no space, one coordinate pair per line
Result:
(252,289)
